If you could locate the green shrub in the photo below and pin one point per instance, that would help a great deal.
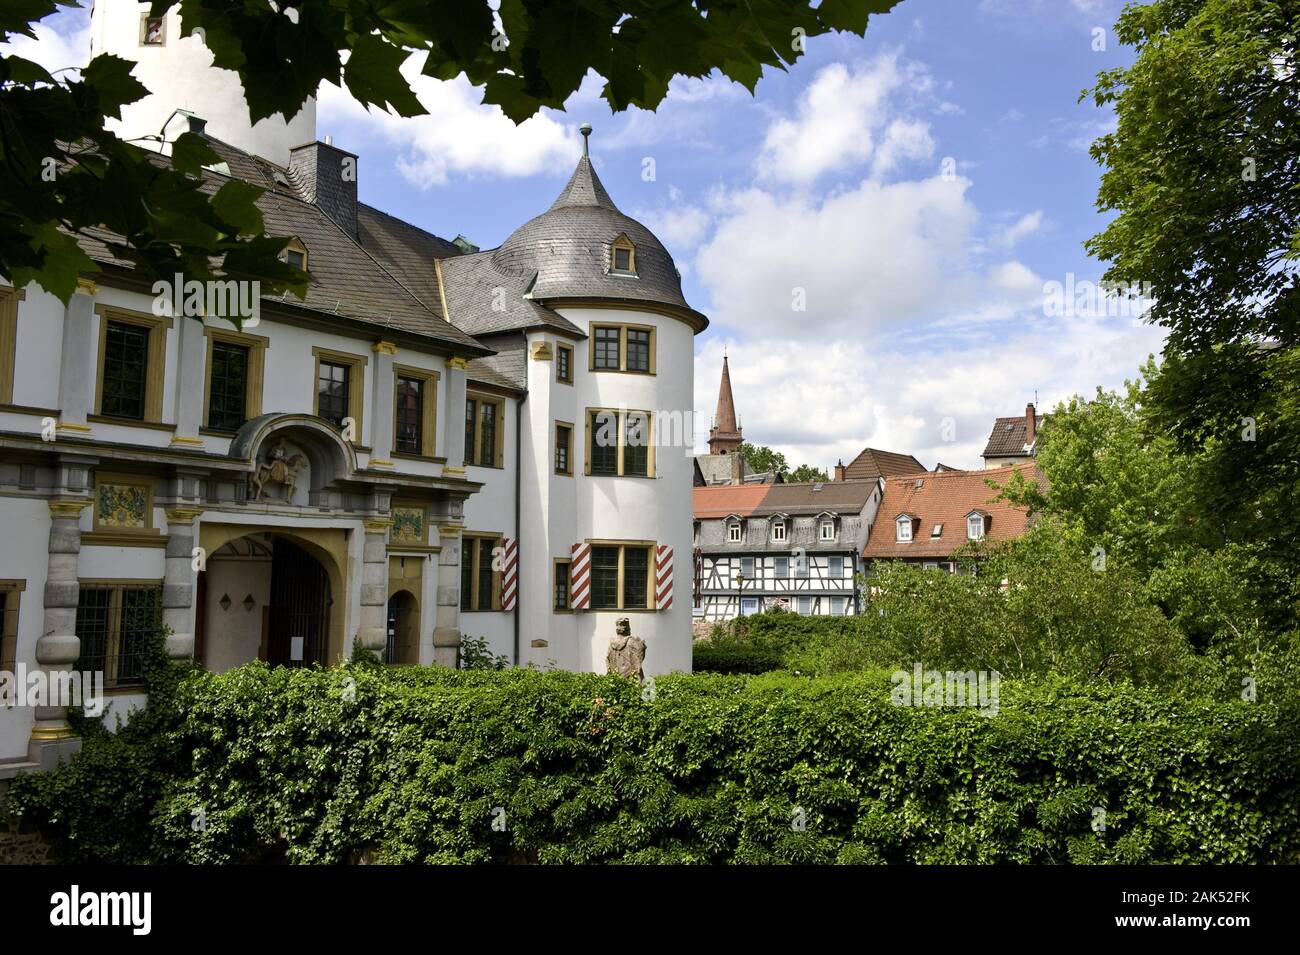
(415, 764)
(708, 657)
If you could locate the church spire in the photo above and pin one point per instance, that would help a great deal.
(725, 435)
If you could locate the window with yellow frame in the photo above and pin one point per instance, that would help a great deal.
(620, 443)
(628, 349)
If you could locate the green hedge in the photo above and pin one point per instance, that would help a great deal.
(707, 657)
(415, 764)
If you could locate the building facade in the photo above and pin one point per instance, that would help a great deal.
(434, 443)
(788, 546)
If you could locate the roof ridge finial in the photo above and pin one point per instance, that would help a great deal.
(585, 129)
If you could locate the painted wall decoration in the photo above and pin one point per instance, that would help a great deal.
(408, 525)
(123, 506)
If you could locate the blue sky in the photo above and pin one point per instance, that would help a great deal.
(923, 292)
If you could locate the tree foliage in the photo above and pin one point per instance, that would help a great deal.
(763, 459)
(1203, 168)
(62, 175)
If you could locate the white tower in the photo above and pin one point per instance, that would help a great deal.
(179, 75)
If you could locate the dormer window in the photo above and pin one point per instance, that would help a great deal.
(778, 531)
(903, 528)
(975, 526)
(826, 530)
(622, 256)
(295, 254)
(733, 532)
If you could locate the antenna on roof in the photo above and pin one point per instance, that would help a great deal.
(585, 129)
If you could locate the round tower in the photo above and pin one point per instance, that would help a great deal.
(608, 524)
(179, 75)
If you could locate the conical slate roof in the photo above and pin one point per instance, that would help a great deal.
(565, 252)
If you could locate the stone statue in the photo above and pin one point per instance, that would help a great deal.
(278, 467)
(626, 652)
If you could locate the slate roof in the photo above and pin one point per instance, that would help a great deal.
(1008, 436)
(565, 252)
(507, 368)
(474, 304)
(407, 251)
(345, 279)
(838, 497)
(945, 498)
(874, 463)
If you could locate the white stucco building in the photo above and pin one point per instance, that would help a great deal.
(436, 442)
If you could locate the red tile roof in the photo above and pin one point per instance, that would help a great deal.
(725, 499)
(945, 498)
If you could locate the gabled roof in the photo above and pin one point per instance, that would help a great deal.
(874, 463)
(1007, 439)
(839, 497)
(946, 498)
(727, 500)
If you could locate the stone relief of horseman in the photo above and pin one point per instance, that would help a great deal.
(279, 467)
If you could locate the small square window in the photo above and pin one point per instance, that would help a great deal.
(153, 31)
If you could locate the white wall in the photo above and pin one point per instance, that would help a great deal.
(491, 510)
(26, 526)
(180, 75)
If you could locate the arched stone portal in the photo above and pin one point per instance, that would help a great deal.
(261, 589)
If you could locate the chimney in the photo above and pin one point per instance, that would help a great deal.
(839, 470)
(327, 176)
(737, 467)
(1030, 428)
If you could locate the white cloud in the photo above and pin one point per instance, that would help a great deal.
(866, 259)
(67, 47)
(819, 401)
(842, 120)
(460, 136)
(680, 226)
(1026, 225)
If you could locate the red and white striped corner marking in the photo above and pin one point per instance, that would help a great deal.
(580, 577)
(510, 573)
(663, 577)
